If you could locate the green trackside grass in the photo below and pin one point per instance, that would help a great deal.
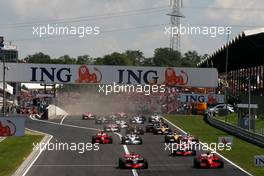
(232, 119)
(242, 153)
(14, 150)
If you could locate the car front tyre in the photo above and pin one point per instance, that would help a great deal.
(93, 140)
(121, 163)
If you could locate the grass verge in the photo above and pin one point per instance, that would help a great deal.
(232, 119)
(14, 150)
(242, 152)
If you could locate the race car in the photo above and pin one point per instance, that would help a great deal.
(150, 127)
(112, 128)
(189, 139)
(161, 130)
(155, 118)
(131, 139)
(173, 138)
(208, 160)
(135, 130)
(183, 150)
(121, 123)
(102, 138)
(101, 120)
(137, 120)
(132, 161)
(88, 116)
(121, 115)
(112, 117)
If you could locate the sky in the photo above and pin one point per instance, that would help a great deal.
(124, 24)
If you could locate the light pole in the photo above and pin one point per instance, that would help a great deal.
(226, 77)
(249, 101)
(4, 67)
(4, 86)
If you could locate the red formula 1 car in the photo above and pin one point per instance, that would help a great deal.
(102, 138)
(183, 150)
(189, 139)
(132, 161)
(88, 116)
(208, 161)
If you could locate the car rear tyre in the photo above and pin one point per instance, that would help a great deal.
(167, 140)
(196, 164)
(123, 140)
(110, 140)
(145, 164)
(221, 164)
(147, 130)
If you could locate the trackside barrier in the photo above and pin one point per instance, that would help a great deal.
(236, 131)
(55, 112)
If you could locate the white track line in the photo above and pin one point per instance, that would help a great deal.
(40, 152)
(63, 118)
(67, 125)
(95, 129)
(134, 171)
(74, 165)
(243, 170)
(102, 165)
(2, 138)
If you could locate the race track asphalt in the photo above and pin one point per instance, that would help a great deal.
(104, 161)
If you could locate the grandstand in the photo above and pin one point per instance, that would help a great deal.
(245, 60)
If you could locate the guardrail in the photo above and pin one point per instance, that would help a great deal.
(236, 131)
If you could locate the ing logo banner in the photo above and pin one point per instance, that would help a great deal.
(107, 74)
(85, 76)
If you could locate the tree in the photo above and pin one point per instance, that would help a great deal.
(190, 59)
(136, 56)
(85, 59)
(23, 86)
(38, 58)
(66, 59)
(162, 57)
(148, 62)
(166, 57)
(114, 59)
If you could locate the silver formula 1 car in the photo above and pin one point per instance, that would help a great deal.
(135, 130)
(137, 120)
(121, 123)
(131, 139)
(111, 128)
